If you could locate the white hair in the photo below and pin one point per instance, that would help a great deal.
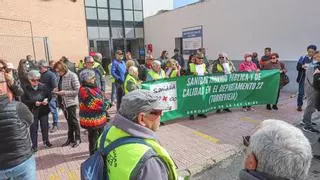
(132, 70)
(281, 149)
(156, 63)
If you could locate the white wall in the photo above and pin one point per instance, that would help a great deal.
(151, 7)
(236, 27)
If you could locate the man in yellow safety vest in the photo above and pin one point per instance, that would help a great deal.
(156, 72)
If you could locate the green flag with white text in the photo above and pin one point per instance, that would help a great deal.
(187, 95)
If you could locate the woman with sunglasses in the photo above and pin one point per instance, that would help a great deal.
(36, 97)
(273, 64)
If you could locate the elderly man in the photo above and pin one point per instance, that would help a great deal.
(98, 63)
(118, 71)
(89, 64)
(138, 117)
(277, 150)
(156, 72)
(132, 80)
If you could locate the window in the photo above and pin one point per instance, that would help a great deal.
(127, 4)
(104, 32)
(116, 15)
(138, 16)
(115, 4)
(117, 32)
(139, 32)
(102, 3)
(91, 43)
(90, 3)
(137, 4)
(103, 14)
(128, 15)
(93, 32)
(91, 13)
(129, 33)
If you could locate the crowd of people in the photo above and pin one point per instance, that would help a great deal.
(37, 88)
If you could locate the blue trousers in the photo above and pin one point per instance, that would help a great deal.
(24, 171)
(54, 111)
(300, 94)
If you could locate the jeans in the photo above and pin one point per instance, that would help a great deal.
(119, 94)
(113, 92)
(73, 125)
(54, 111)
(93, 135)
(24, 171)
(44, 126)
(300, 94)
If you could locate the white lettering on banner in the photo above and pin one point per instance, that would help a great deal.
(167, 94)
(196, 91)
(223, 97)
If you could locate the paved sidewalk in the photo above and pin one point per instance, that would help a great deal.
(194, 145)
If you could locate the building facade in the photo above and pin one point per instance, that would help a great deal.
(115, 24)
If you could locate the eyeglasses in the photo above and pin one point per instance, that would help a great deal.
(35, 80)
(156, 113)
(274, 58)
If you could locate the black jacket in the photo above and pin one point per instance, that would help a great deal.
(31, 96)
(15, 144)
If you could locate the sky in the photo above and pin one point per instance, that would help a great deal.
(179, 3)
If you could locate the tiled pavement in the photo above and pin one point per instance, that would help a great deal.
(191, 143)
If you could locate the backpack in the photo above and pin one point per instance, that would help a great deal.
(94, 168)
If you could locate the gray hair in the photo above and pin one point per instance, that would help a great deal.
(281, 150)
(132, 70)
(33, 74)
(98, 56)
(156, 63)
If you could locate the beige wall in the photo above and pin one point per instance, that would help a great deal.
(62, 21)
(236, 27)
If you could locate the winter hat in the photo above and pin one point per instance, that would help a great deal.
(87, 74)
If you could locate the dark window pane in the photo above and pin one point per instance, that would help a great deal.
(138, 16)
(103, 14)
(137, 4)
(90, 2)
(103, 3)
(128, 15)
(127, 4)
(116, 15)
(115, 4)
(91, 13)
(92, 22)
(91, 43)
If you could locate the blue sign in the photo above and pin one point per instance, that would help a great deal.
(192, 33)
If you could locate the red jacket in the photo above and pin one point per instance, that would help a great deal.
(246, 66)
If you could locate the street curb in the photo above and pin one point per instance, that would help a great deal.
(188, 173)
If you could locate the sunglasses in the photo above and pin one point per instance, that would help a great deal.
(156, 113)
(274, 58)
(35, 80)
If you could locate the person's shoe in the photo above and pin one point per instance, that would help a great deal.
(76, 144)
(218, 111)
(310, 129)
(275, 107)
(191, 117)
(251, 109)
(268, 107)
(54, 129)
(202, 115)
(34, 149)
(48, 144)
(303, 124)
(244, 109)
(299, 108)
(67, 143)
(227, 110)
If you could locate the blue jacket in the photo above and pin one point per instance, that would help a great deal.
(301, 71)
(118, 70)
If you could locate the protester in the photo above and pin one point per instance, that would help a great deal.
(50, 80)
(129, 57)
(255, 59)
(149, 60)
(13, 81)
(129, 63)
(23, 68)
(113, 86)
(68, 88)
(179, 58)
(16, 157)
(284, 79)
(98, 64)
(205, 59)
(164, 59)
(33, 64)
(173, 69)
(223, 65)
(13, 73)
(302, 65)
(71, 66)
(248, 66)
(92, 107)
(156, 72)
(132, 80)
(36, 97)
(266, 57)
(273, 64)
(312, 93)
(192, 59)
(277, 150)
(199, 69)
(100, 81)
(118, 71)
(80, 65)
(139, 116)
